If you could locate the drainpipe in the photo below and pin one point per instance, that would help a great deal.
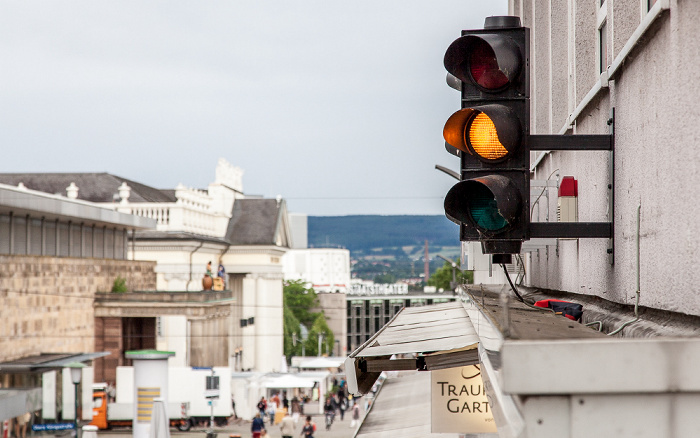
(221, 256)
(191, 254)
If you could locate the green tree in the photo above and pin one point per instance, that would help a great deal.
(292, 330)
(442, 277)
(385, 279)
(300, 300)
(320, 326)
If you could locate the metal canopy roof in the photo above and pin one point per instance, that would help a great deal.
(441, 336)
(401, 409)
(47, 361)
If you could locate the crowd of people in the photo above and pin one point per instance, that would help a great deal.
(338, 402)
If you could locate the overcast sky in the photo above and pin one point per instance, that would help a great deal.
(338, 106)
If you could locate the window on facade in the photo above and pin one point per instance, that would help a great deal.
(358, 326)
(76, 241)
(377, 325)
(50, 245)
(650, 3)
(417, 303)
(603, 47)
(109, 244)
(35, 236)
(349, 326)
(98, 243)
(63, 240)
(87, 242)
(119, 238)
(4, 234)
(19, 229)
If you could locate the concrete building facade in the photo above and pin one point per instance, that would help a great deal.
(636, 58)
(56, 254)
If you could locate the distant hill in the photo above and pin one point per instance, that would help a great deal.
(363, 234)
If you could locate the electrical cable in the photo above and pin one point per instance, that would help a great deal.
(546, 309)
(512, 286)
(532, 210)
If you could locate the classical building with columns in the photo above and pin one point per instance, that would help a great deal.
(219, 225)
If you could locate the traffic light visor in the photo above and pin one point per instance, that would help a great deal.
(490, 61)
(483, 66)
(491, 203)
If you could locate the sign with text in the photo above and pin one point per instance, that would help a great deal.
(52, 427)
(458, 401)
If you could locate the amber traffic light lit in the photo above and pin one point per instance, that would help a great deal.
(483, 138)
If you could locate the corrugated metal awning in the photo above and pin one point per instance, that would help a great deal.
(401, 409)
(437, 336)
(47, 361)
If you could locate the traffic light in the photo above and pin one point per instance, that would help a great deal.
(490, 135)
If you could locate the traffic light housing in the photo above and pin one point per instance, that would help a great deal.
(491, 132)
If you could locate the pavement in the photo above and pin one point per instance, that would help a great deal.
(339, 429)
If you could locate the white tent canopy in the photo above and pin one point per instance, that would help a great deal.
(322, 362)
(288, 381)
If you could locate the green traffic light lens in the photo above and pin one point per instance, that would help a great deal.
(484, 209)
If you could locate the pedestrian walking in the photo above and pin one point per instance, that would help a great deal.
(329, 411)
(257, 427)
(309, 428)
(355, 414)
(262, 407)
(287, 426)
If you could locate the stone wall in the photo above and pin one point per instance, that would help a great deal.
(47, 302)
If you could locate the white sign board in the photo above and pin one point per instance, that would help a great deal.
(459, 403)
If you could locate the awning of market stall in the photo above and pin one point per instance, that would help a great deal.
(417, 338)
(288, 381)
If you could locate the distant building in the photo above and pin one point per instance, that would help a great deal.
(326, 270)
(56, 253)
(370, 306)
(248, 236)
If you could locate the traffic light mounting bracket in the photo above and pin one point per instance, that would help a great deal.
(575, 230)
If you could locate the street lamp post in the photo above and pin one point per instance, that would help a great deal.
(453, 285)
(76, 373)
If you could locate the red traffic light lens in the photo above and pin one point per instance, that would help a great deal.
(483, 66)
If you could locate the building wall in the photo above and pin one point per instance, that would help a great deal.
(209, 341)
(327, 269)
(656, 161)
(262, 343)
(334, 306)
(181, 265)
(48, 301)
